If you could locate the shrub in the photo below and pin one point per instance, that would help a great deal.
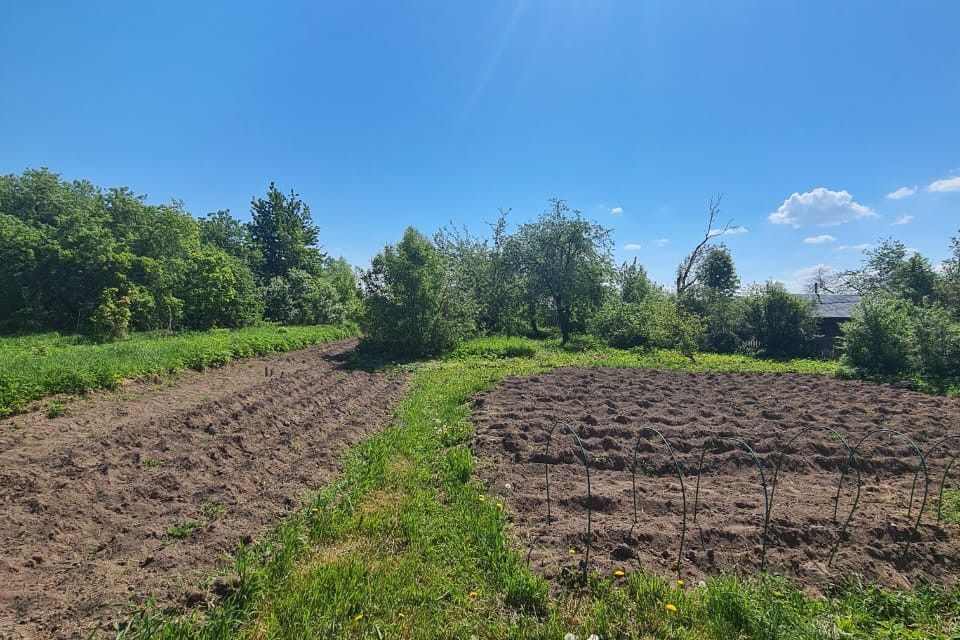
(410, 308)
(781, 322)
(649, 323)
(936, 343)
(877, 338)
(219, 292)
(111, 319)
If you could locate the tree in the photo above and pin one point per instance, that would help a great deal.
(689, 271)
(219, 292)
(410, 307)
(567, 259)
(781, 322)
(283, 233)
(634, 284)
(716, 272)
(228, 234)
(950, 282)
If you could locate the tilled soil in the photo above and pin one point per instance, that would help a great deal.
(86, 499)
(609, 409)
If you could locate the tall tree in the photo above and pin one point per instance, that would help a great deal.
(284, 233)
(567, 258)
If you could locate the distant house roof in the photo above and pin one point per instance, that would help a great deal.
(831, 305)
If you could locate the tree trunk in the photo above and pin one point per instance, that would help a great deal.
(563, 320)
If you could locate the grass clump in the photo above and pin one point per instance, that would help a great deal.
(33, 367)
(182, 530)
(406, 543)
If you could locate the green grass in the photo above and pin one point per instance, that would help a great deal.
(402, 545)
(37, 366)
(182, 530)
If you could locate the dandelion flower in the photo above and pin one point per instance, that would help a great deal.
(401, 615)
(473, 594)
(701, 584)
(679, 583)
(672, 608)
(358, 617)
(481, 497)
(573, 552)
(619, 573)
(500, 506)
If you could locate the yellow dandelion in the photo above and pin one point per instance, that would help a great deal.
(481, 497)
(401, 615)
(619, 573)
(672, 608)
(473, 594)
(500, 506)
(573, 552)
(358, 617)
(679, 583)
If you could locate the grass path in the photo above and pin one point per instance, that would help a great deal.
(407, 544)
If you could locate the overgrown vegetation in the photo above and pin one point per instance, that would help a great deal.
(908, 324)
(104, 263)
(41, 365)
(406, 544)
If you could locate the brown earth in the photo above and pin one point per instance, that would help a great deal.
(609, 408)
(86, 498)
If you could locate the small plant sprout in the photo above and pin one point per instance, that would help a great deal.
(670, 607)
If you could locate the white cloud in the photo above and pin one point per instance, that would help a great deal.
(616, 211)
(662, 242)
(819, 239)
(632, 246)
(904, 219)
(798, 280)
(945, 184)
(732, 231)
(901, 193)
(855, 247)
(820, 207)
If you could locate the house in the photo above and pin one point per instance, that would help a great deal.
(833, 309)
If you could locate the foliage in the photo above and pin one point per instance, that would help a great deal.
(716, 272)
(301, 298)
(111, 319)
(648, 323)
(411, 306)
(565, 259)
(889, 270)
(283, 233)
(782, 323)
(219, 291)
(890, 336)
(80, 258)
(37, 366)
(401, 546)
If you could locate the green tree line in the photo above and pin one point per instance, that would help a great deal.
(104, 262)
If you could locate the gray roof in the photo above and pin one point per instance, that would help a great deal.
(832, 305)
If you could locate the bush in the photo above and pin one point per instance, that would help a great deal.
(111, 319)
(936, 343)
(220, 292)
(302, 298)
(781, 322)
(877, 339)
(646, 324)
(410, 308)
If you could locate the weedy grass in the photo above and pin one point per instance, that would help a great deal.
(33, 367)
(182, 530)
(406, 543)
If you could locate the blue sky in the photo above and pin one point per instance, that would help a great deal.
(384, 115)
